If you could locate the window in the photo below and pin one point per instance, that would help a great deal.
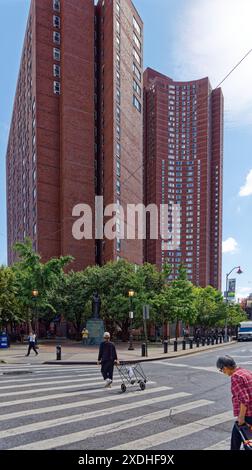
(137, 72)
(137, 26)
(56, 53)
(118, 244)
(118, 96)
(56, 21)
(118, 168)
(34, 229)
(118, 149)
(118, 187)
(136, 41)
(118, 131)
(137, 56)
(137, 104)
(56, 88)
(56, 70)
(56, 37)
(56, 5)
(117, 60)
(117, 27)
(117, 8)
(118, 78)
(137, 88)
(118, 113)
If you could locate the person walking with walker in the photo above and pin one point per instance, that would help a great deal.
(107, 358)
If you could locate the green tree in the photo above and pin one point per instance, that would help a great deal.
(10, 307)
(182, 299)
(31, 274)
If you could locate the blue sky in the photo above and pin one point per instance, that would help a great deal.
(185, 39)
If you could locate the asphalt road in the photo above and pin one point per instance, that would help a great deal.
(186, 405)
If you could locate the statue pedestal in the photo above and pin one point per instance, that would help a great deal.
(95, 327)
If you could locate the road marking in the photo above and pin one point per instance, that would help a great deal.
(48, 389)
(79, 404)
(222, 445)
(36, 382)
(109, 428)
(208, 369)
(175, 433)
(87, 415)
(62, 395)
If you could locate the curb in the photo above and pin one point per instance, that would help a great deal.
(136, 361)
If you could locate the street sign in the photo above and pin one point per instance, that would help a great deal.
(146, 312)
(231, 288)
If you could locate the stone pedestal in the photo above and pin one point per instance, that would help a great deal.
(95, 329)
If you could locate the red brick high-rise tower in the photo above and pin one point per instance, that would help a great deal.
(76, 129)
(183, 146)
(120, 117)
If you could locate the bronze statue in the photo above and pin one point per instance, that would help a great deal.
(96, 305)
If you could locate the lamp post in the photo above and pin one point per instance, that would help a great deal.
(131, 316)
(35, 294)
(239, 271)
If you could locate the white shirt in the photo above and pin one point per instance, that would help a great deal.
(32, 338)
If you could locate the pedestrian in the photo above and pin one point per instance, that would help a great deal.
(107, 358)
(85, 334)
(32, 343)
(241, 389)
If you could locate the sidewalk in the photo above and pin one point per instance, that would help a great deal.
(72, 352)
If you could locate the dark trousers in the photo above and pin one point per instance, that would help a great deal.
(107, 369)
(31, 346)
(236, 439)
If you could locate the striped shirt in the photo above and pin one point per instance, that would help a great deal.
(241, 389)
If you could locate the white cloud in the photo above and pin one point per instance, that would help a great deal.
(212, 38)
(246, 189)
(230, 246)
(243, 292)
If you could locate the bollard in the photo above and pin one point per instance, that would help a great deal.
(217, 340)
(183, 345)
(144, 350)
(197, 342)
(212, 341)
(165, 346)
(175, 345)
(228, 338)
(58, 353)
(203, 341)
(208, 341)
(220, 339)
(191, 343)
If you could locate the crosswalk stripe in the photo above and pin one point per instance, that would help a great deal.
(176, 364)
(175, 433)
(222, 445)
(89, 402)
(61, 395)
(36, 382)
(88, 415)
(35, 379)
(49, 389)
(109, 428)
(46, 369)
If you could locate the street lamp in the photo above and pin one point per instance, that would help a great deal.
(239, 271)
(35, 294)
(131, 294)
